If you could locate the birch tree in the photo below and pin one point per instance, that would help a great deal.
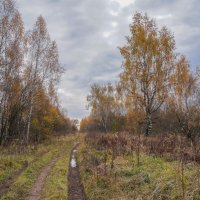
(101, 100)
(43, 66)
(148, 65)
(186, 102)
(11, 57)
(29, 74)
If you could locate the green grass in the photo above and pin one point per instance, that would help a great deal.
(56, 183)
(154, 179)
(23, 183)
(12, 162)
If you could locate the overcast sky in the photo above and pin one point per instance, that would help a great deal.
(88, 33)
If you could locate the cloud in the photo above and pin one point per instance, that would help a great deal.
(88, 33)
(124, 3)
(160, 17)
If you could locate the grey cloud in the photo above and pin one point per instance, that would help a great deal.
(89, 31)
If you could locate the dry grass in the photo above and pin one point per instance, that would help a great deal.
(155, 177)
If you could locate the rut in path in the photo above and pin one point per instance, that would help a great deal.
(75, 187)
(38, 185)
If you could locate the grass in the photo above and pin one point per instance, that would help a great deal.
(154, 179)
(37, 159)
(12, 162)
(56, 183)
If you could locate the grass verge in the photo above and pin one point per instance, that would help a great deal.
(154, 179)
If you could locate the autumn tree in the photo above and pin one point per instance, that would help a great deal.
(43, 68)
(185, 99)
(148, 65)
(89, 124)
(85, 124)
(29, 74)
(11, 57)
(103, 105)
(134, 116)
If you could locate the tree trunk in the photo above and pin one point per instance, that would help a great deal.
(104, 125)
(29, 123)
(148, 125)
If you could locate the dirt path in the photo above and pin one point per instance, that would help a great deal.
(75, 187)
(38, 185)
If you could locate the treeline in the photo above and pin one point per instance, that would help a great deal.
(157, 93)
(29, 73)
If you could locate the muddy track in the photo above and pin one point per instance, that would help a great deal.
(75, 186)
(36, 190)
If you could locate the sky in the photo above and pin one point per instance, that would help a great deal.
(89, 32)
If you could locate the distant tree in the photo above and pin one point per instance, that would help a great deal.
(102, 103)
(88, 124)
(185, 99)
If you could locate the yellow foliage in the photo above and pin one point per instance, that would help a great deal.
(134, 119)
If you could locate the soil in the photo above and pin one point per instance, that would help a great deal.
(75, 186)
(38, 185)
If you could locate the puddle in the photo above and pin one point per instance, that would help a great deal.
(73, 159)
(73, 162)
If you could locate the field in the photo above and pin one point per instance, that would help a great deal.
(122, 178)
(107, 173)
(19, 170)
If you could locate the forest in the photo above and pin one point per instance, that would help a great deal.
(29, 74)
